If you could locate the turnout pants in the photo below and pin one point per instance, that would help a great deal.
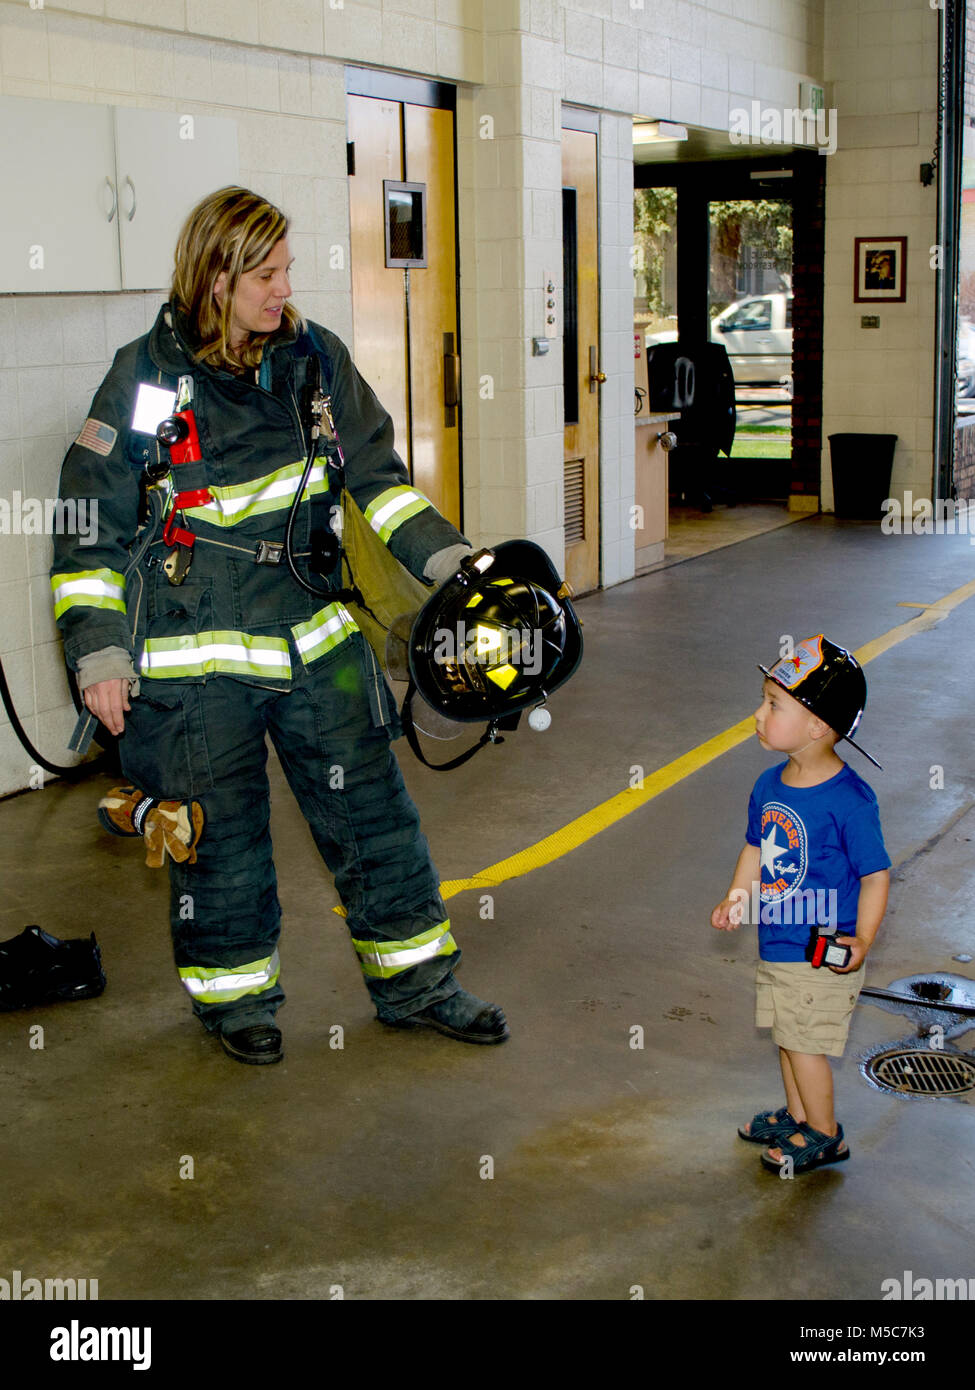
(207, 741)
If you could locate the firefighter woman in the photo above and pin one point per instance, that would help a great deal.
(210, 641)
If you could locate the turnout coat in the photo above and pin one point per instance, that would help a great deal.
(231, 615)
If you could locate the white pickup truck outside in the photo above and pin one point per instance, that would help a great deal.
(757, 331)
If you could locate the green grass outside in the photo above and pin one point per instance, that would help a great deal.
(751, 448)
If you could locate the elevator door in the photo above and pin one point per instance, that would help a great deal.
(405, 316)
(581, 375)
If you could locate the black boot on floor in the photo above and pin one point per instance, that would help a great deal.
(462, 1016)
(37, 968)
(259, 1045)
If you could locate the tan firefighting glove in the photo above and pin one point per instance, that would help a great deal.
(168, 827)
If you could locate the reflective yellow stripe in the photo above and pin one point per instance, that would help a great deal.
(237, 653)
(387, 512)
(273, 492)
(330, 626)
(220, 984)
(88, 589)
(380, 960)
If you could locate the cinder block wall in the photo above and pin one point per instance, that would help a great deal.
(881, 65)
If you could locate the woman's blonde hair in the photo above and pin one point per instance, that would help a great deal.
(232, 230)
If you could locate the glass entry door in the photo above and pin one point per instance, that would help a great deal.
(750, 314)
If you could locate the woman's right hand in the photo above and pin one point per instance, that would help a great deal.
(107, 701)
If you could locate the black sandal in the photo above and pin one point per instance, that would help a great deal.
(769, 1127)
(818, 1149)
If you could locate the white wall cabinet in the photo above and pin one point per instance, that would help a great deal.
(165, 163)
(94, 196)
(58, 229)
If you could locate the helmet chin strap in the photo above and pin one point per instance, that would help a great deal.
(490, 735)
(804, 747)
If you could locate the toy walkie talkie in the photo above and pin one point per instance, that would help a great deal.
(823, 949)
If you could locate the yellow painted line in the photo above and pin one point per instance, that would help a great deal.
(930, 616)
(576, 833)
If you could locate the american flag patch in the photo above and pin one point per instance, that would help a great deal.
(97, 437)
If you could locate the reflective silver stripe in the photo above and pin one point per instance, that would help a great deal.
(91, 588)
(329, 627)
(211, 987)
(271, 493)
(404, 958)
(387, 512)
(379, 962)
(237, 653)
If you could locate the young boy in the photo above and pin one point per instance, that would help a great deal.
(815, 846)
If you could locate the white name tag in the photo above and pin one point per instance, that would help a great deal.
(152, 404)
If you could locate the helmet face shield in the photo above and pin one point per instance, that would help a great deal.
(496, 638)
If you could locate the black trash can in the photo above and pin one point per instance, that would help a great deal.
(861, 465)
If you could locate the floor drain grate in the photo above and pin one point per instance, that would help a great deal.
(917, 1071)
(938, 991)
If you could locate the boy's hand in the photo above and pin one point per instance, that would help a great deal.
(727, 915)
(858, 954)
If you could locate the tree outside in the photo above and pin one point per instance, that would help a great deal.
(751, 249)
(751, 253)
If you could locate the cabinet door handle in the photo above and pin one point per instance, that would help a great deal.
(131, 213)
(111, 189)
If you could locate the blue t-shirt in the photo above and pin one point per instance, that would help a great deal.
(816, 843)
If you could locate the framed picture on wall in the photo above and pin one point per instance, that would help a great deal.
(880, 269)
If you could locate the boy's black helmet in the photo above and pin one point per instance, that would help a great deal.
(828, 680)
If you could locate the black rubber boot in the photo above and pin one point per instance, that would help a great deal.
(37, 968)
(259, 1045)
(462, 1016)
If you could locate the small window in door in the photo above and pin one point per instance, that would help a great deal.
(406, 223)
(570, 306)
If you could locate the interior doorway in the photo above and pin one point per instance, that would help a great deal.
(734, 257)
(582, 376)
(403, 243)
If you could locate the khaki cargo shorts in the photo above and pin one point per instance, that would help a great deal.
(807, 1010)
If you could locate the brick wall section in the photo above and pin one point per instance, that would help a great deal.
(965, 458)
(970, 66)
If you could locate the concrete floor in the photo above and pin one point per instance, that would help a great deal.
(693, 533)
(612, 1167)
